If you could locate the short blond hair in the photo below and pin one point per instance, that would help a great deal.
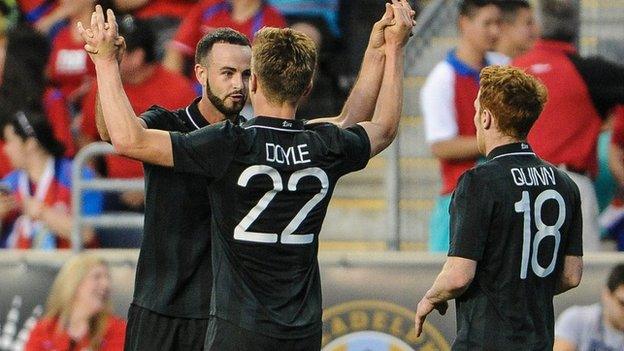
(514, 97)
(284, 61)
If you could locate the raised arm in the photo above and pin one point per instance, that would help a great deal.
(384, 124)
(127, 135)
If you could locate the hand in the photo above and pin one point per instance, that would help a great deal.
(32, 208)
(397, 34)
(424, 308)
(7, 204)
(102, 39)
(377, 39)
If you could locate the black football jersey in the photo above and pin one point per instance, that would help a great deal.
(174, 270)
(273, 182)
(517, 216)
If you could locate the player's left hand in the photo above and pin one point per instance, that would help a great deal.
(398, 33)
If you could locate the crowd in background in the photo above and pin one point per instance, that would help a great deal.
(48, 97)
(48, 93)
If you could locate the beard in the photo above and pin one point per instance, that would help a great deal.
(219, 103)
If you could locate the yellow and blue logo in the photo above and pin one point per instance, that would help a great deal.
(368, 325)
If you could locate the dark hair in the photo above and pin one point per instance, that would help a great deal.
(559, 20)
(469, 7)
(510, 8)
(616, 277)
(33, 124)
(23, 80)
(138, 35)
(221, 35)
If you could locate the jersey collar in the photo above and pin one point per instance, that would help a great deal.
(286, 125)
(194, 116)
(198, 121)
(461, 67)
(514, 149)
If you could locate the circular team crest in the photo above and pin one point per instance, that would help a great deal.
(367, 325)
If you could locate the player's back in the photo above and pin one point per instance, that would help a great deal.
(526, 216)
(274, 181)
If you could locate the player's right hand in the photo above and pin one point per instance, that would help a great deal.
(424, 308)
(403, 15)
(102, 39)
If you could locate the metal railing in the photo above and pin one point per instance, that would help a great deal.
(80, 185)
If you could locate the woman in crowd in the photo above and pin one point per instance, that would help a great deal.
(78, 314)
(35, 206)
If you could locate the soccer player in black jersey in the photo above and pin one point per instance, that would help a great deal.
(516, 228)
(273, 177)
(173, 281)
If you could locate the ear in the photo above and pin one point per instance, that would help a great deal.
(253, 83)
(487, 120)
(201, 74)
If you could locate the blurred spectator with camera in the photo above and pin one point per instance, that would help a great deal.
(35, 206)
(597, 327)
(78, 312)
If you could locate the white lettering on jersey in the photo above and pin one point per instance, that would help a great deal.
(290, 156)
(71, 61)
(532, 176)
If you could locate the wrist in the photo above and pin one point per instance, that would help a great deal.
(106, 64)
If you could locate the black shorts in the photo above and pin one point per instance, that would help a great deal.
(225, 336)
(149, 331)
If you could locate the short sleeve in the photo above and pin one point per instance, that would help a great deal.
(437, 101)
(207, 151)
(471, 214)
(575, 234)
(155, 118)
(356, 148)
(569, 326)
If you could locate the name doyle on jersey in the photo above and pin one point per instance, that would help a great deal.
(533, 176)
(292, 155)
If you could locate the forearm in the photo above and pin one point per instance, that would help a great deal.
(388, 110)
(443, 289)
(361, 102)
(99, 120)
(124, 129)
(458, 148)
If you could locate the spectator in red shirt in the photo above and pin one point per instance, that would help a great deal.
(78, 312)
(245, 16)
(146, 83)
(69, 68)
(163, 16)
(581, 92)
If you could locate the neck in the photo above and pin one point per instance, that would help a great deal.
(36, 164)
(242, 10)
(140, 74)
(209, 111)
(507, 49)
(262, 107)
(497, 141)
(470, 55)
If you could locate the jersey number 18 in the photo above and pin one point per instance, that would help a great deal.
(543, 231)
